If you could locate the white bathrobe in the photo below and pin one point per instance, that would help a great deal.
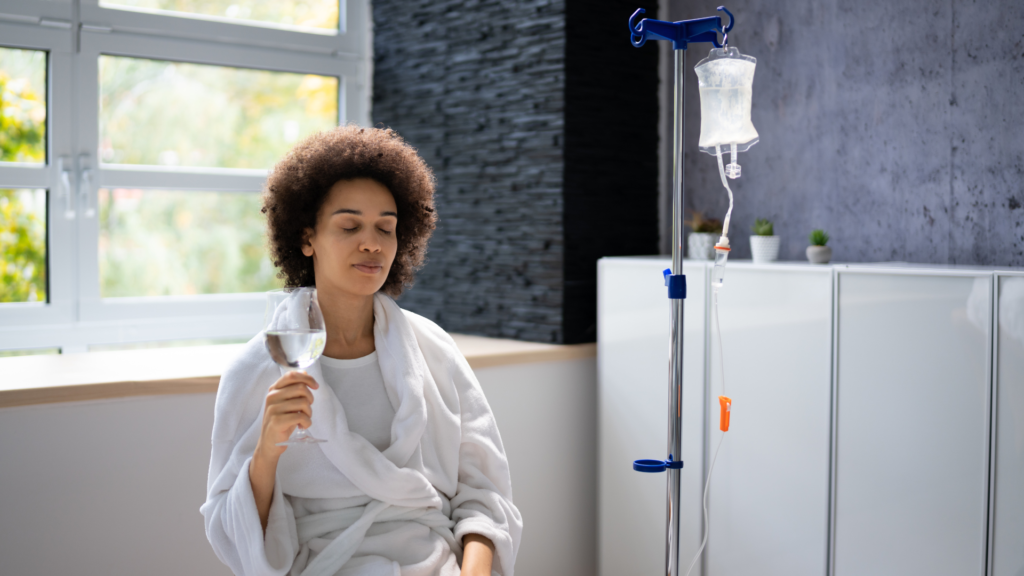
(342, 507)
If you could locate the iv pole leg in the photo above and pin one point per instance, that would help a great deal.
(675, 404)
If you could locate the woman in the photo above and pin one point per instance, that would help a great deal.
(412, 478)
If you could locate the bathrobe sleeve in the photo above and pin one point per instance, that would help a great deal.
(482, 503)
(232, 521)
(483, 500)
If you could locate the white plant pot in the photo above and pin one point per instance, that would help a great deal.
(819, 254)
(701, 245)
(764, 248)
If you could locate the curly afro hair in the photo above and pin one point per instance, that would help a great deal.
(297, 186)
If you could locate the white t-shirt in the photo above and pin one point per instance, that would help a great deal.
(359, 386)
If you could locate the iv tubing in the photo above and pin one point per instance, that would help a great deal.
(721, 352)
(707, 482)
(724, 240)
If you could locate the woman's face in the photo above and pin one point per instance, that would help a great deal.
(354, 243)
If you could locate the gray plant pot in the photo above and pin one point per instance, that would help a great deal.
(819, 254)
(701, 245)
(764, 248)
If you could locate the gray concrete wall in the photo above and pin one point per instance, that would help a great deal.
(898, 127)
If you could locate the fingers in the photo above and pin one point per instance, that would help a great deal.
(290, 392)
(292, 385)
(279, 427)
(298, 405)
(288, 421)
(295, 377)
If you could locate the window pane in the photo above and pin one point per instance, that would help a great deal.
(22, 245)
(22, 105)
(161, 243)
(166, 344)
(207, 116)
(321, 14)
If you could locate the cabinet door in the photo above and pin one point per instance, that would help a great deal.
(768, 500)
(1008, 541)
(912, 424)
(633, 329)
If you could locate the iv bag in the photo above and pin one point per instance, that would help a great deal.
(725, 79)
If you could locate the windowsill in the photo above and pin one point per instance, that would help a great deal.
(29, 380)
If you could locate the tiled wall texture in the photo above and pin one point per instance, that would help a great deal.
(898, 127)
(522, 108)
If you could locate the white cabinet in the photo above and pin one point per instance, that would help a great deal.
(769, 500)
(1008, 492)
(774, 466)
(877, 427)
(912, 423)
(633, 324)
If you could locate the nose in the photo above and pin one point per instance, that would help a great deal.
(369, 242)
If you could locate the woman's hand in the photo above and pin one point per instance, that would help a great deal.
(289, 404)
(477, 555)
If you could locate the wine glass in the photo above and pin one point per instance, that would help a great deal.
(295, 336)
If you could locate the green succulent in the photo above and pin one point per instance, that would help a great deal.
(819, 238)
(763, 227)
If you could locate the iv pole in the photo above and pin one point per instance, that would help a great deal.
(680, 34)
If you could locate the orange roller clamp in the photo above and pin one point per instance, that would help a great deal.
(726, 403)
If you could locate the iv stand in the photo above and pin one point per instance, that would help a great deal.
(680, 34)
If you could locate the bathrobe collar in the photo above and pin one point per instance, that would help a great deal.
(390, 476)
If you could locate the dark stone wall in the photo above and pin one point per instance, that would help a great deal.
(529, 193)
(478, 88)
(895, 126)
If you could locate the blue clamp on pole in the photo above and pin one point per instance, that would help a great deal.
(676, 284)
(679, 33)
(651, 466)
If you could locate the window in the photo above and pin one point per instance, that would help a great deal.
(135, 136)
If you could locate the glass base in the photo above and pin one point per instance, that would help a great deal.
(309, 440)
(300, 436)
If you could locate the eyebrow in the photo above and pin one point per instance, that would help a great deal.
(360, 213)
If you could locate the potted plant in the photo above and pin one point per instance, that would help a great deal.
(705, 232)
(764, 244)
(817, 252)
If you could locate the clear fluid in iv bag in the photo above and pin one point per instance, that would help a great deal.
(295, 348)
(726, 78)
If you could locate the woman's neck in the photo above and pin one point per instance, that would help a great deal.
(349, 321)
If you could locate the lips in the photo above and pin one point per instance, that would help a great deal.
(368, 267)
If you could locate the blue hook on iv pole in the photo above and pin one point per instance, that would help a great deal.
(680, 33)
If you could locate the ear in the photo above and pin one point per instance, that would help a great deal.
(307, 248)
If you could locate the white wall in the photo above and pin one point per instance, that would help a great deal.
(106, 487)
(114, 486)
(547, 416)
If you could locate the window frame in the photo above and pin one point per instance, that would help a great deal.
(59, 307)
(76, 316)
